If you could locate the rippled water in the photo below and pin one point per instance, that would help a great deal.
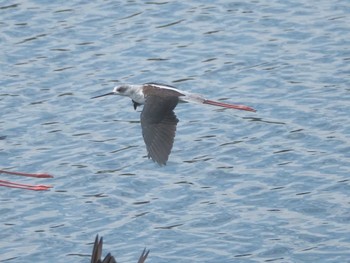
(270, 186)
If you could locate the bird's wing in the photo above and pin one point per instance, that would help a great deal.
(143, 256)
(158, 122)
(97, 250)
(97, 253)
(109, 259)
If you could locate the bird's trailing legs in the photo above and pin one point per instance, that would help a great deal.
(26, 186)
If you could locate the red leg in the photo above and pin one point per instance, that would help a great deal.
(27, 174)
(26, 186)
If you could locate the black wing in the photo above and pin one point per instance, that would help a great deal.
(158, 122)
(97, 252)
(143, 256)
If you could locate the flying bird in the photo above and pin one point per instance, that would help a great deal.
(158, 120)
(97, 253)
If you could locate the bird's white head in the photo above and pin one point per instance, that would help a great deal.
(132, 91)
(124, 90)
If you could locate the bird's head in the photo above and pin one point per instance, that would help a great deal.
(122, 90)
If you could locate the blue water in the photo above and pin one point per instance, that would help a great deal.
(270, 186)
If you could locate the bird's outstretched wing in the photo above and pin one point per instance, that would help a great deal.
(158, 122)
(143, 256)
(97, 252)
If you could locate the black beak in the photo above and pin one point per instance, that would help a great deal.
(109, 93)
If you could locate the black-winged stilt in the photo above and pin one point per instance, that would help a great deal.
(158, 120)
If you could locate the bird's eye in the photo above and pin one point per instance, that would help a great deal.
(121, 89)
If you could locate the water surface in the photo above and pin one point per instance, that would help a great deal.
(270, 186)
